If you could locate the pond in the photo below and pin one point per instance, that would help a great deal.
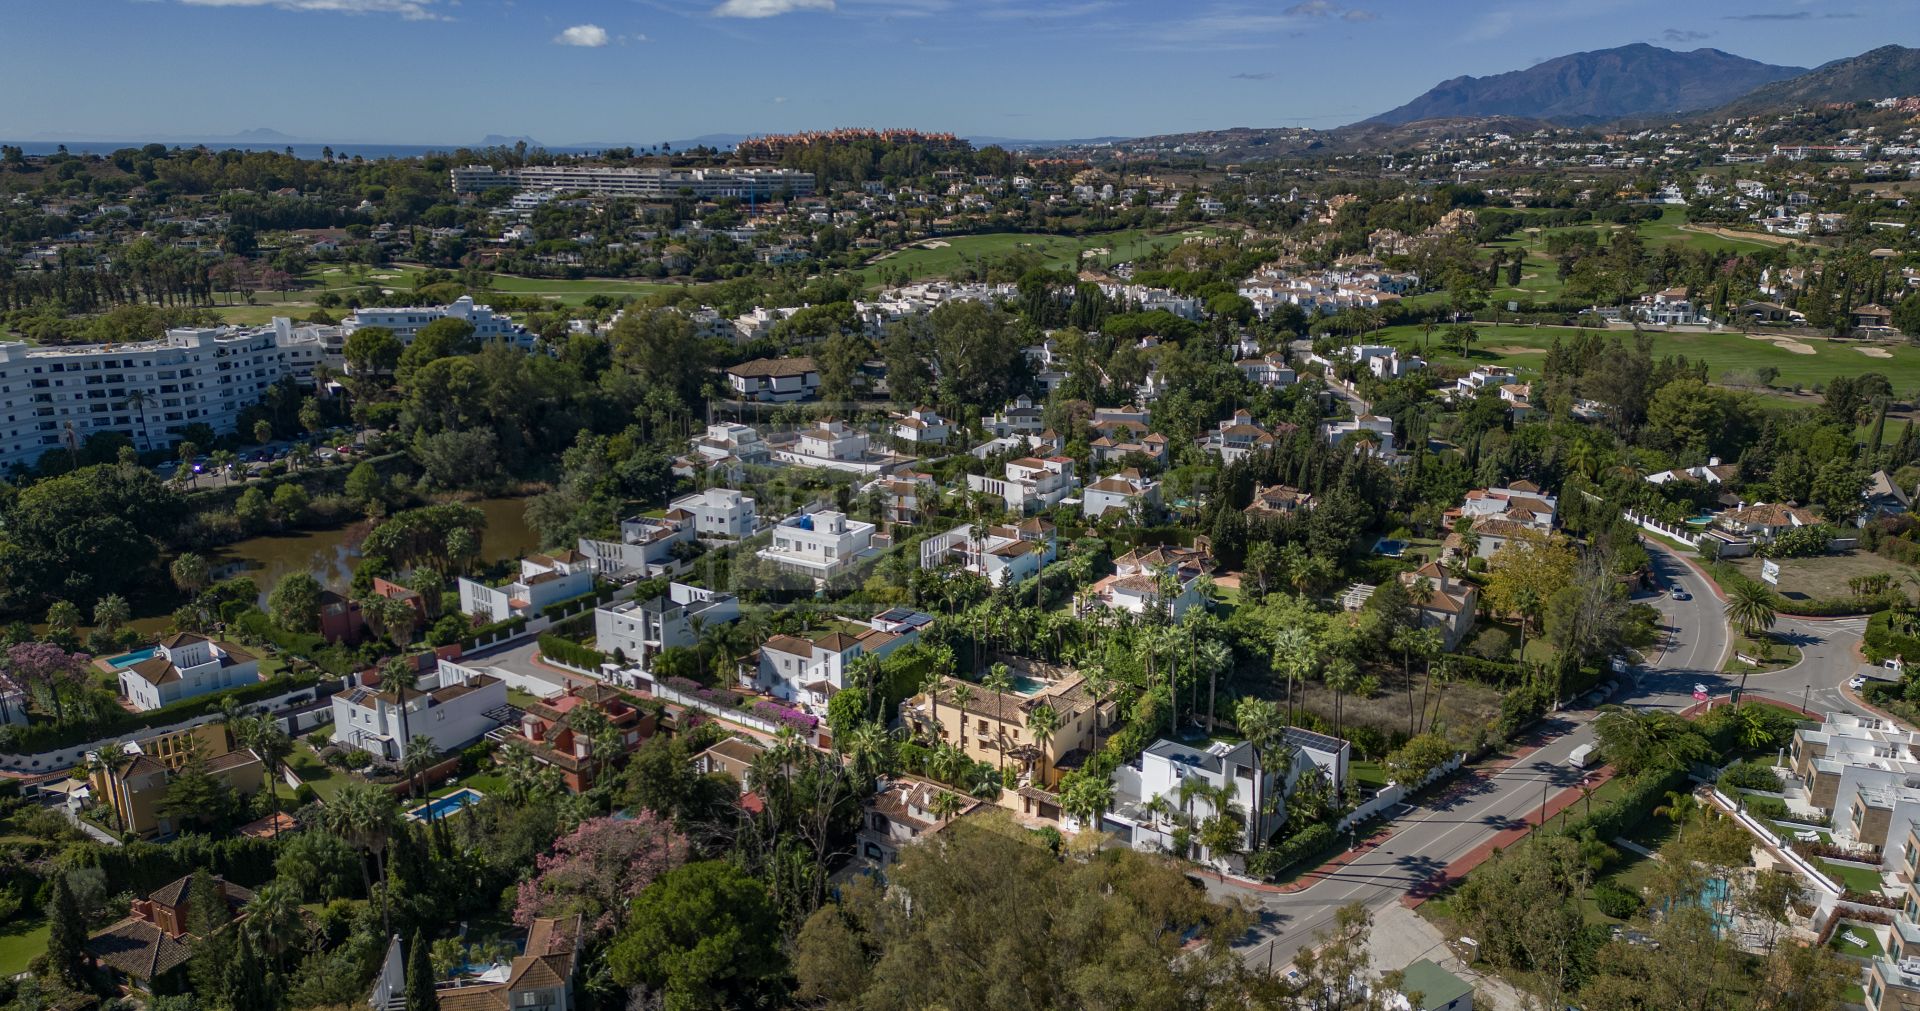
(330, 555)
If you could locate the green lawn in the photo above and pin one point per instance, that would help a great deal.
(1783, 655)
(1524, 348)
(1859, 879)
(1369, 774)
(20, 941)
(1839, 942)
(942, 256)
(306, 764)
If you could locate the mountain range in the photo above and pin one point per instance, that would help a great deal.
(1880, 73)
(1597, 86)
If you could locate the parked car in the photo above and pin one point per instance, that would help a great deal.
(343, 450)
(1858, 682)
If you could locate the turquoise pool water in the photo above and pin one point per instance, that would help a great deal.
(1699, 521)
(126, 660)
(452, 803)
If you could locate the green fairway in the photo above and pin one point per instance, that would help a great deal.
(1523, 348)
(400, 278)
(1539, 273)
(941, 257)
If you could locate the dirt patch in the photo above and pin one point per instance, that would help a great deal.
(1875, 352)
(1515, 349)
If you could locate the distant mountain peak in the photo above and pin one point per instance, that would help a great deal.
(262, 133)
(1603, 84)
(501, 140)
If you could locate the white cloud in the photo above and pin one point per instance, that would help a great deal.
(768, 8)
(588, 36)
(412, 10)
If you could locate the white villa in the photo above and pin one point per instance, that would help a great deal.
(543, 580)
(1004, 555)
(1031, 483)
(1167, 766)
(775, 380)
(812, 670)
(1135, 586)
(821, 545)
(635, 631)
(922, 425)
(1240, 437)
(1127, 492)
(452, 706)
(727, 445)
(1381, 428)
(183, 666)
(646, 547)
(719, 512)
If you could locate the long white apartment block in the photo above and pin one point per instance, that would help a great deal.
(407, 321)
(51, 397)
(746, 183)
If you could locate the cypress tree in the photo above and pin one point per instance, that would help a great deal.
(66, 937)
(420, 977)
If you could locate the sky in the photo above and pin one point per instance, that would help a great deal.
(594, 72)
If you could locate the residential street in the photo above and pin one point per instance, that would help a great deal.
(1483, 803)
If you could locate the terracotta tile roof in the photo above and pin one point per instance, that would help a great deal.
(789, 644)
(156, 671)
(138, 948)
(836, 642)
(773, 368)
(179, 639)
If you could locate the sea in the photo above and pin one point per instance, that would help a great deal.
(301, 149)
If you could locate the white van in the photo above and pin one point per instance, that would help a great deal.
(1581, 756)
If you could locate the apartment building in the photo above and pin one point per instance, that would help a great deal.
(648, 546)
(633, 632)
(451, 706)
(821, 544)
(1005, 555)
(149, 391)
(185, 665)
(406, 322)
(1031, 483)
(543, 579)
(719, 512)
(638, 182)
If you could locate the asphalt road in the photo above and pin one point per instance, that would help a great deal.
(1445, 828)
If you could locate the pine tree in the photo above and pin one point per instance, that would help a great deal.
(420, 977)
(66, 937)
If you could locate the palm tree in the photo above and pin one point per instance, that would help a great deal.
(931, 687)
(1297, 654)
(1259, 722)
(422, 754)
(138, 401)
(274, 918)
(1086, 797)
(263, 736)
(1224, 832)
(110, 612)
(870, 748)
(402, 675)
(999, 681)
(190, 573)
(1411, 642)
(1214, 657)
(521, 770)
(1341, 677)
(1750, 605)
(365, 815)
(1679, 808)
(1042, 721)
(946, 804)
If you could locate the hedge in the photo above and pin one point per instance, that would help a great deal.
(39, 737)
(1632, 807)
(569, 652)
(487, 634)
(1770, 808)
(1304, 844)
(1615, 901)
(1883, 641)
(1749, 776)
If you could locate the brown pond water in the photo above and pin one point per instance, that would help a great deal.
(330, 555)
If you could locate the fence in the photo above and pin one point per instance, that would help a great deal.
(1687, 537)
(1766, 835)
(1393, 793)
(55, 759)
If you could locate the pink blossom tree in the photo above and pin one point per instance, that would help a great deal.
(598, 869)
(47, 667)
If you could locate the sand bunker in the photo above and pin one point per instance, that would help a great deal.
(1515, 349)
(1794, 346)
(935, 244)
(1875, 352)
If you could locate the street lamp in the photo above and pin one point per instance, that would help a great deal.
(1804, 692)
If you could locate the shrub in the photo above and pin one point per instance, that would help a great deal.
(1770, 808)
(788, 717)
(1615, 901)
(1308, 842)
(1749, 776)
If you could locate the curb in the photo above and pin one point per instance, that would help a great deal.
(1460, 868)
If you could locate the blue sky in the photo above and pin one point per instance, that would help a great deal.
(639, 71)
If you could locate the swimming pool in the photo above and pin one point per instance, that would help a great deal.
(452, 803)
(126, 660)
